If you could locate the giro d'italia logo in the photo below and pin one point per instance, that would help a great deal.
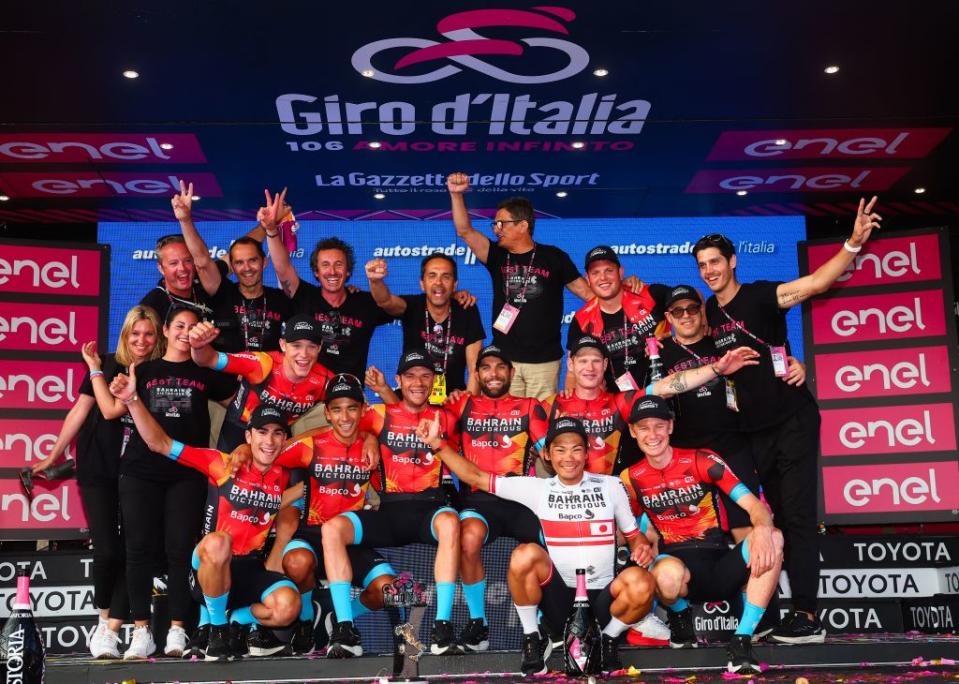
(463, 44)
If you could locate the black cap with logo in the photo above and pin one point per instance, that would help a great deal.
(565, 424)
(493, 350)
(681, 292)
(650, 406)
(588, 341)
(301, 327)
(415, 358)
(344, 385)
(601, 253)
(264, 415)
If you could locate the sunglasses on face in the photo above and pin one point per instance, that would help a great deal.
(680, 311)
(499, 222)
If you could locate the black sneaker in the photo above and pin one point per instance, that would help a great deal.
(238, 636)
(218, 647)
(681, 631)
(799, 628)
(441, 638)
(739, 652)
(325, 618)
(555, 636)
(345, 642)
(536, 649)
(475, 636)
(302, 641)
(198, 642)
(611, 661)
(263, 642)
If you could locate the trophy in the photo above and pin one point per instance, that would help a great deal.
(409, 598)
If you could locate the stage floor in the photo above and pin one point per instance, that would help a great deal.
(897, 658)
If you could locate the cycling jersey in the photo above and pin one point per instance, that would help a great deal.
(606, 419)
(406, 463)
(244, 505)
(679, 499)
(338, 473)
(496, 434)
(579, 521)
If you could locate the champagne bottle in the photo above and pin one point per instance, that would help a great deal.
(582, 642)
(655, 363)
(21, 648)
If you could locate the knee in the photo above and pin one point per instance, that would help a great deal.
(525, 557)
(216, 548)
(337, 532)
(299, 564)
(372, 596)
(472, 536)
(637, 584)
(446, 526)
(670, 575)
(284, 602)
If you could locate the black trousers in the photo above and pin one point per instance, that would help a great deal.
(101, 504)
(786, 463)
(175, 510)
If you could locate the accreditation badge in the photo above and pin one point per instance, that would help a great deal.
(779, 361)
(507, 316)
(438, 393)
(731, 402)
(626, 382)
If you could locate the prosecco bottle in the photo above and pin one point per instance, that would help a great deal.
(21, 648)
(582, 641)
(655, 363)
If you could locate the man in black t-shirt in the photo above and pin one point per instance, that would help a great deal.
(528, 281)
(249, 315)
(177, 287)
(781, 420)
(451, 334)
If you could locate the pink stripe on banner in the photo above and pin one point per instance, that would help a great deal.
(885, 261)
(902, 315)
(55, 505)
(49, 270)
(891, 488)
(917, 428)
(887, 372)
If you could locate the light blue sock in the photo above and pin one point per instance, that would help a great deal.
(444, 600)
(216, 605)
(204, 616)
(679, 606)
(751, 617)
(340, 593)
(357, 608)
(475, 595)
(654, 605)
(306, 606)
(243, 616)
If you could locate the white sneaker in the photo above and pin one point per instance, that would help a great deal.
(176, 640)
(141, 645)
(651, 627)
(105, 642)
(101, 625)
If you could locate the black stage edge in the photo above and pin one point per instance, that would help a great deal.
(863, 652)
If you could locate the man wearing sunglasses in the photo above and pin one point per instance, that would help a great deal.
(781, 420)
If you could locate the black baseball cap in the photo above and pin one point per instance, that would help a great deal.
(264, 415)
(683, 292)
(344, 385)
(301, 327)
(563, 425)
(414, 358)
(601, 253)
(650, 406)
(493, 350)
(588, 341)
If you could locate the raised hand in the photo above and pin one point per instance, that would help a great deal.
(464, 298)
(633, 284)
(866, 222)
(428, 430)
(457, 183)
(202, 334)
(375, 379)
(736, 358)
(123, 386)
(376, 269)
(183, 202)
(242, 454)
(89, 352)
(270, 215)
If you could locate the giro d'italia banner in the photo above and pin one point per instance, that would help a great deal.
(53, 299)
(656, 250)
(881, 349)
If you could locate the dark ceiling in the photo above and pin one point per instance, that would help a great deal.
(701, 100)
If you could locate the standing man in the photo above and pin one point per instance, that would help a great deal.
(450, 333)
(782, 420)
(248, 314)
(528, 281)
(177, 288)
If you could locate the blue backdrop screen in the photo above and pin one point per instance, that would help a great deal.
(656, 250)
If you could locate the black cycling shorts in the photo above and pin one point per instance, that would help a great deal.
(715, 574)
(400, 520)
(367, 563)
(250, 581)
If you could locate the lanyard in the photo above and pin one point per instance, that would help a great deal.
(439, 328)
(192, 303)
(740, 326)
(249, 317)
(529, 274)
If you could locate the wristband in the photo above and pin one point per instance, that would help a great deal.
(96, 374)
(129, 401)
(849, 248)
(715, 370)
(271, 235)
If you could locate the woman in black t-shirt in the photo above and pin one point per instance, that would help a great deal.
(157, 496)
(101, 429)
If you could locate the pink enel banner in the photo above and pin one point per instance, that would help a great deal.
(885, 261)
(49, 270)
(100, 148)
(55, 505)
(77, 184)
(891, 488)
(25, 441)
(863, 318)
(797, 179)
(47, 327)
(916, 428)
(40, 384)
(904, 371)
(828, 143)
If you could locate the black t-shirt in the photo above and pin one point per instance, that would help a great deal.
(537, 293)
(176, 393)
(347, 329)
(249, 324)
(626, 344)
(161, 301)
(101, 442)
(764, 400)
(447, 340)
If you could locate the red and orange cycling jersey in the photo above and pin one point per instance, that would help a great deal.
(406, 464)
(498, 434)
(264, 382)
(338, 475)
(680, 499)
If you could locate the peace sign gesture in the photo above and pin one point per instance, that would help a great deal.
(866, 221)
(183, 202)
(270, 215)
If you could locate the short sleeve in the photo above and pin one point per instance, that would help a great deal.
(222, 386)
(622, 511)
(521, 489)
(474, 326)
(494, 259)
(566, 267)
(660, 294)
(765, 294)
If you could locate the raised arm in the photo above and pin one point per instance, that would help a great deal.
(269, 217)
(205, 266)
(376, 272)
(799, 290)
(684, 380)
(429, 433)
(109, 406)
(457, 184)
(124, 388)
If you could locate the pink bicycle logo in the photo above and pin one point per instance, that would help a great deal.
(464, 43)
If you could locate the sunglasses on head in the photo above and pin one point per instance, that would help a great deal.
(715, 240)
